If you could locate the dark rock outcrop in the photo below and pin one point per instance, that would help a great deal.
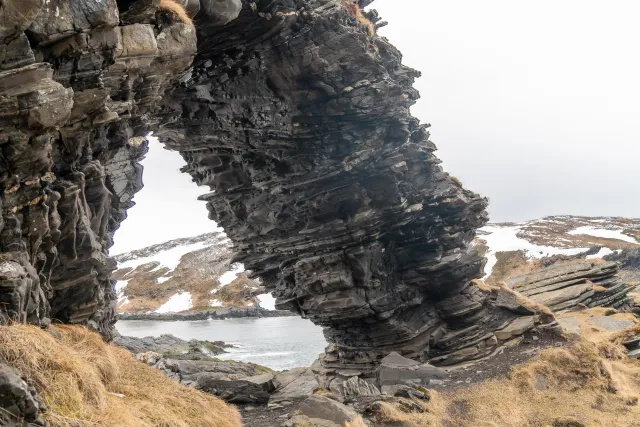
(19, 402)
(328, 187)
(295, 114)
(593, 284)
(78, 92)
(629, 260)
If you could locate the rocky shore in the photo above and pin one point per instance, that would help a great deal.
(218, 314)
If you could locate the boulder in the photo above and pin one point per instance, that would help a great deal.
(19, 402)
(294, 385)
(254, 389)
(326, 409)
(396, 369)
(518, 327)
(221, 12)
(609, 323)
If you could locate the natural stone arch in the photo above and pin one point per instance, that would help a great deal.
(298, 120)
(296, 115)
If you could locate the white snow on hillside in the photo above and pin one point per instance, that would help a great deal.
(503, 239)
(267, 301)
(230, 276)
(178, 302)
(603, 233)
(120, 287)
(169, 258)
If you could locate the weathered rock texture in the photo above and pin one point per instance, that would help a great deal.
(591, 283)
(295, 114)
(78, 91)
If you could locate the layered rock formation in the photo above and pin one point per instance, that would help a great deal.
(295, 114)
(79, 86)
(591, 283)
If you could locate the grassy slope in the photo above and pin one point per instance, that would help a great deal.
(79, 376)
(590, 383)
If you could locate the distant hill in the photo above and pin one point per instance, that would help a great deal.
(518, 248)
(186, 274)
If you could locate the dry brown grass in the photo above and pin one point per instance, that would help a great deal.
(561, 383)
(545, 313)
(358, 422)
(176, 11)
(354, 10)
(77, 375)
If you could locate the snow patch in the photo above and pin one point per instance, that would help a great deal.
(215, 303)
(267, 301)
(504, 239)
(178, 302)
(230, 275)
(603, 233)
(601, 253)
(169, 258)
(121, 285)
(161, 280)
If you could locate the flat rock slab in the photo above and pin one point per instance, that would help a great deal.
(609, 323)
(515, 328)
(396, 369)
(294, 385)
(326, 409)
(570, 324)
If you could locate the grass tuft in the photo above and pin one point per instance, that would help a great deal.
(353, 9)
(176, 11)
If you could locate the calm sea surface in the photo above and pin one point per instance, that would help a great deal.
(277, 342)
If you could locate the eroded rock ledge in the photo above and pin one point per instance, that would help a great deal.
(295, 114)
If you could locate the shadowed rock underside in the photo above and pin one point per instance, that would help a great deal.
(295, 114)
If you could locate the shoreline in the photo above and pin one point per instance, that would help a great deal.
(218, 314)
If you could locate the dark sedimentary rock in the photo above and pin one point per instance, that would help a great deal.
(593, 284)
(629, 260)
(19, 402)
(295, 114)
(298, 118)
(77, 94)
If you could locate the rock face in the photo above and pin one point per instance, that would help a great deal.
(594, 284)
(295, 114)
(78, 91)
(327, 186)
(19, 402)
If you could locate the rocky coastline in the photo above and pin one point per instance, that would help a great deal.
(217, 314)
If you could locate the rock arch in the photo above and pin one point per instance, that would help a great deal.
(297, 117)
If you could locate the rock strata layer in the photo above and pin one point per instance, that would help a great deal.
(295, 114)
(593, 284)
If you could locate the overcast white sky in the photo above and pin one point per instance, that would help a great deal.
(532, 104)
